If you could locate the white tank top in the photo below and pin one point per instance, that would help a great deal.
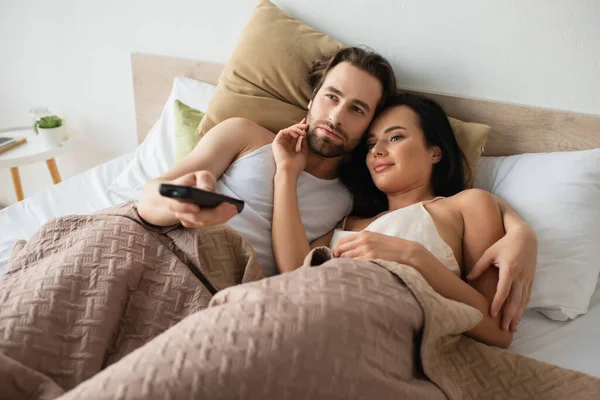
(323, 203)
(411, 223)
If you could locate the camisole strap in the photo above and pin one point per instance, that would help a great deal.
(344, 222)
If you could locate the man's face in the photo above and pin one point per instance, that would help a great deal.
(342, 110)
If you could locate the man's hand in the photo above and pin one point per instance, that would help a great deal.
(290, 148)
(515, 255)
(193, 216)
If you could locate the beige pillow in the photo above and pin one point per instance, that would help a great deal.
(471, 138)
(266, 78)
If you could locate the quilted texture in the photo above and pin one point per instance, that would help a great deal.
(345, 330)
(85, 291)
(341, 329)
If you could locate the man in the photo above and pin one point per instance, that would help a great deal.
(235, 158)
(351, 87)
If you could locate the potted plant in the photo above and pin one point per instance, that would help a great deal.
(50, 128)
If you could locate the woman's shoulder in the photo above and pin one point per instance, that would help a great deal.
(472, 199)
(465, 197)
(473, 193)
(453, 209)
(470, 203)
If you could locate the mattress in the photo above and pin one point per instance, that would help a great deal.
(81, 194)
(571, 344)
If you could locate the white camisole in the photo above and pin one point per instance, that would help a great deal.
(411, 223)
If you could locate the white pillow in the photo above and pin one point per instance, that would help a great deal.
(156, 154)
(558, 195)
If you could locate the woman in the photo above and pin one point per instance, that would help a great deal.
(410, 207)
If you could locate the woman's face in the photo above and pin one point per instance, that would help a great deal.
(398, 158)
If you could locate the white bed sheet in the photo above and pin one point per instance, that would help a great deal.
(81, 194)
(571, 344)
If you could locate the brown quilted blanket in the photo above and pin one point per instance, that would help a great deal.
(104, 306)
(86, 290)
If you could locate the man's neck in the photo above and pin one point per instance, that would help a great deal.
(321, 167)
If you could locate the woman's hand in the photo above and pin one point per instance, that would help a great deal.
(288, 154)
(366, 245)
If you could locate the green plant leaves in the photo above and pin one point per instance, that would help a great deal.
(49, 122)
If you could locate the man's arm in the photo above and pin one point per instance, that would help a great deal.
(290, 244)
(515, 255)
(511, 220)
(206, 163)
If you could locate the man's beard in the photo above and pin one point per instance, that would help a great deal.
(323, 145)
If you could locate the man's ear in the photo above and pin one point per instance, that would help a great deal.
(436, 154)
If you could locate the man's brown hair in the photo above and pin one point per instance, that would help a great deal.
(366, 60)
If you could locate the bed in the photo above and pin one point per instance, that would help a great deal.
(84, 193)
(515, 129)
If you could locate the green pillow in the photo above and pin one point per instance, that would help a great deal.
(187, 120)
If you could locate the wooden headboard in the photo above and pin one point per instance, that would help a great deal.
(516, 129)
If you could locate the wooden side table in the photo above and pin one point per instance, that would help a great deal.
(35, 150)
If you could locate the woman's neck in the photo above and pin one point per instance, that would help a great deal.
(411, 196)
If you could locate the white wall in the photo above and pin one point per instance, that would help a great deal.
(73, 56)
